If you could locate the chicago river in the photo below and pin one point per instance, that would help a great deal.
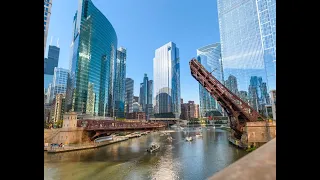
(198, 159)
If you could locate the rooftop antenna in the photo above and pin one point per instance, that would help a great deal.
(51, 41)
(58, 42)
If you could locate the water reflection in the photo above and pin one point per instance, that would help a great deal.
(178, 159)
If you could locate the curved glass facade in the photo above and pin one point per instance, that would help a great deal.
(166, 74)
(90, 88)
(210, 57)
(247, 34)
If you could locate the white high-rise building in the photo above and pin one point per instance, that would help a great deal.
(166, 74)
(60, 79)
(47, 14)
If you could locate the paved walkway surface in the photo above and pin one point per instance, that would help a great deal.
(259, 164)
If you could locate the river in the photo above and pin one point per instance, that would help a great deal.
(178, 159)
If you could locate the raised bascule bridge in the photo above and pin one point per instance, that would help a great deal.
(248, 126)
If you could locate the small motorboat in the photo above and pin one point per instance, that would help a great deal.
(189, 138)
(169, 139)
(153, 147)
(199, 135)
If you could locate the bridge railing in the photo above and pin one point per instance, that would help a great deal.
(100, 124)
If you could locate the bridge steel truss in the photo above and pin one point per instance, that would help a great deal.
(239, 112)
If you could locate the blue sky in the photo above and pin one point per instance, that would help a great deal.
(142, 26)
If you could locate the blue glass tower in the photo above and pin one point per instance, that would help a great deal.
(94, 43)
(119, 83)
(145, 99)
(52, 61)
(248, 44)
(210, 57)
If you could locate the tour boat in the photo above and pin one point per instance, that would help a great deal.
(153, 147)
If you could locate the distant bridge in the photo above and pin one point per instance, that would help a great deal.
(99, 127)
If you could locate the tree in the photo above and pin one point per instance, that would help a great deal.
(59, 124)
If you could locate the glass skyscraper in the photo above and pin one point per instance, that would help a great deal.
(146, 91)
(120, 83)
(47, 14)
(166, 73)
(93, 53)
(52, 61)
(60, 79)
(47, 80)
(210, 57)
(129, 95)
(248, 46)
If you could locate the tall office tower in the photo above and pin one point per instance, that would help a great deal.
(50, 93)
(93, 53)
(145, 98)
(129, 95)
(244, 96)
(248, 42)
(57, 109)
(47, 80)
(232, 84)
(166, 73)
(149, 109)
(258, 96)
(60, 79)
(119, 83)
(196, 111)
(52, 61)
(47, 14)
(210, 57)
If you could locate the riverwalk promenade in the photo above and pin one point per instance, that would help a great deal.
(83, 146)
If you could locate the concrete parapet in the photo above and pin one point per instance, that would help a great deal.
(259, 164)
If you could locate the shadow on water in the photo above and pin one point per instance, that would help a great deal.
(178, 159)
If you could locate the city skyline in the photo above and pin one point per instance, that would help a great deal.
(61, 26)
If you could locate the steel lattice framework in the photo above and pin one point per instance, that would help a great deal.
(238, 111)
